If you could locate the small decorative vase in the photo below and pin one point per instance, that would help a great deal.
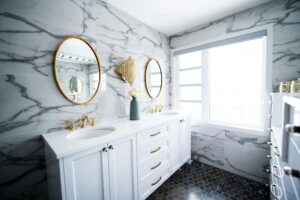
(134, 109)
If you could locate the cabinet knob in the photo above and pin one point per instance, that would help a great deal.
(268, 170)
(110, 147)
(268, 156)
(270, 130)
(269, 143)
(104, 149)
(290, 171)
(182, 120)
(291, 128)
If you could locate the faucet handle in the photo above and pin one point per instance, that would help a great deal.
(84, 117)
(83, 124)
(70, 124)
(93, 122)
(161, 107)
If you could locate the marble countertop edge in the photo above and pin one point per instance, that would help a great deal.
(63, 147)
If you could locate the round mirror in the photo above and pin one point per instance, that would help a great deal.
(153, 78)
(77, 70)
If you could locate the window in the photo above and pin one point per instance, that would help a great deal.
(224, 83)
(190, 73)
(235, 83)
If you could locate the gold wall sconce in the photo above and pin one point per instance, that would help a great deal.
(127, 70)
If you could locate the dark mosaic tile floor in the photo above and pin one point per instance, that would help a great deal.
(203, 182)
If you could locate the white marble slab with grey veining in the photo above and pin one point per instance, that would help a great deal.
(237, 152)
(31, 103)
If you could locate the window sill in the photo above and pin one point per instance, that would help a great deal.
(229, 128)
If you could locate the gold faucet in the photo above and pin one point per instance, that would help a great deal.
(93, 122)
(157, 108)
(160, 108)
(84, 119)
(71, 125)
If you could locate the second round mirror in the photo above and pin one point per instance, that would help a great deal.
(153, 78)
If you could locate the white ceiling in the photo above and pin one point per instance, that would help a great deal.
(174, 16)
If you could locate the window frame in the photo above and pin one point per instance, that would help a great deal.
(267, 80)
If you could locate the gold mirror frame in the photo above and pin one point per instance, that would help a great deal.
(56, 75)
(161, 80)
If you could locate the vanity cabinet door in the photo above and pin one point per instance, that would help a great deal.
(86, 175)
(185, 140)
(123, 169)
(174, 129)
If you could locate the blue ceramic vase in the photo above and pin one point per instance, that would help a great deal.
(134, 109)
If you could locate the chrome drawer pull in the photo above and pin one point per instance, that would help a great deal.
(269, 143)
(278, 189)
(155, 134)
(156, 150)
(268, 156)
(279, 173)
(152, 184)
(270, 130)
(291, 128)
(276, 150)
(290, 171)
(156, 166)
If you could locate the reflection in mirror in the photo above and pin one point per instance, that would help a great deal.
(77, 70)
(153, 78)
(75, 87)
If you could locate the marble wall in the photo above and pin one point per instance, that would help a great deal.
(244, 153)
(32, 105)
(236, 151)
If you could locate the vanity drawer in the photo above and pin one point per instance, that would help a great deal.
(152, 182)
(153, 149)
(151, 136)
(153, 164)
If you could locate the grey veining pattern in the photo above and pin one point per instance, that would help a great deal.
(234, 151)
(31, 104)
(282, 15)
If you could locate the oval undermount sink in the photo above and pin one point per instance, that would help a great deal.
(170, 113)
(91, 133)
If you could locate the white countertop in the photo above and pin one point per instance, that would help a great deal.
(62, 146)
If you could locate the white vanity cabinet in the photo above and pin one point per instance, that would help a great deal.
(180, 142)
(154, 160)
(107, 171)
(122, 168)
(130, 163)
(161, 151)
(185, 140)
(86, 175)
